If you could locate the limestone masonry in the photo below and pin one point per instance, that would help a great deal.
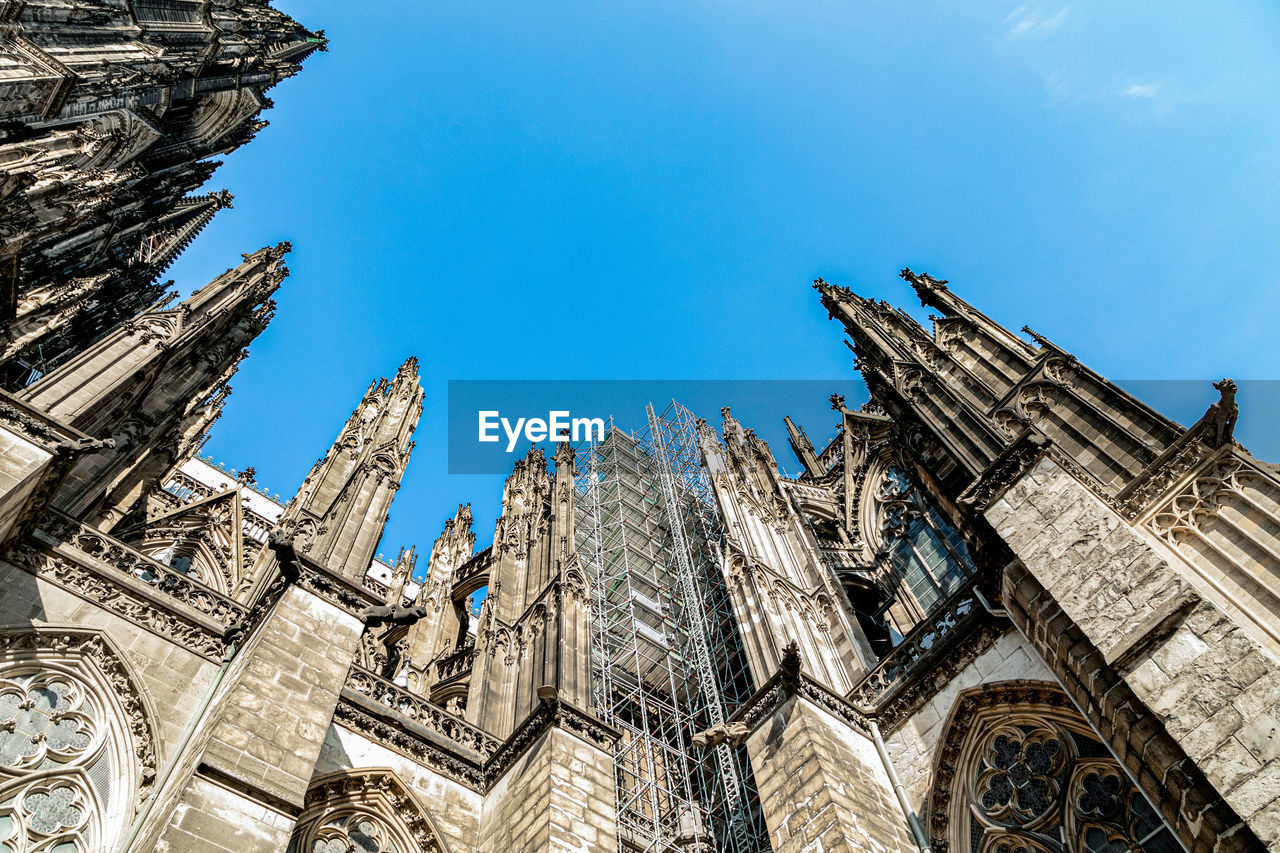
(1006, 608)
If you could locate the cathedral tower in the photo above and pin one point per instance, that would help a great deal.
(777, 578)
(153, 386)
(534, 629)
(444, 630)
(110, 114)
(1136, 556)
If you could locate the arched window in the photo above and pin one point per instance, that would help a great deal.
(76, 749)
(1019, 770)
(929, 559)
(365, 811)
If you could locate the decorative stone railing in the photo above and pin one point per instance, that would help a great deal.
(908, 658)
(842, 559)
(186, 488)
(256, 527)
(456, 663)
(376, 587)
(161, 578)
(421, 711)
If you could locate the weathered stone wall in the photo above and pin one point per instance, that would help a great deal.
(913, 743)
(173, 678)
(271, 731)
(454, 808)
(1184, 692)
(558, 797)
(212, 819)
(23, 465)
(267, 728)
(822, 785)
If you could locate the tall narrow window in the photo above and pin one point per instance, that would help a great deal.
(928, 556)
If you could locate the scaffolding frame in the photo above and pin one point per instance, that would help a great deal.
(668, 660)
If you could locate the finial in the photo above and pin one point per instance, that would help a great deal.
(564, 454)
(409, 368)
(924, 280)
(837, 402)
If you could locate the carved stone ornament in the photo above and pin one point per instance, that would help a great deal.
(386, 730)
(160, 577)
(1014, 461)
(928, 658)
(77, 746)
(427, 732)
(120, 600)
(1018, 769)
(366, 809)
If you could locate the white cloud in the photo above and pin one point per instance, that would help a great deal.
(1023, 22)
(1140, 90)
(1057, 85)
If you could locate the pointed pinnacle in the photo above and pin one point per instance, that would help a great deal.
(409, 368)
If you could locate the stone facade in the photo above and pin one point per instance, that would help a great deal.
(1006, 608)
(109, 115)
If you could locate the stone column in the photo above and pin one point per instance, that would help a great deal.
(822, 785)
(243, 785)
(558, 795)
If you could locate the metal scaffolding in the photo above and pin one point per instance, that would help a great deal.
(668, 658)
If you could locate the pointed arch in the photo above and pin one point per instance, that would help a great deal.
(371, 808)
(1019, 769)
(77, 740)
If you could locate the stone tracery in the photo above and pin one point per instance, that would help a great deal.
(75, 745)
(1020, 771)
(364, 811)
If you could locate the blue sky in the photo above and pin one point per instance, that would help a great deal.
(645, 190)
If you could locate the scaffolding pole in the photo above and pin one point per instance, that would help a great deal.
(668, 661)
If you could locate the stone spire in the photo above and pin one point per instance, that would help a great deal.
(154, 385)
(53, 321)
(443, 629)
(775, 575)
(988, 386)
(803, 448)
(338, 515)
(534, 631)
(401, 574)
(110, 116)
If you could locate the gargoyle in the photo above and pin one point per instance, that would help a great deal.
(1222, 415)
(235, 632)
(281, 543)
(391, 614)
(731, 733)
(789, 670)
(70, 447)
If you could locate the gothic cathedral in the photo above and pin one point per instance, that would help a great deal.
(1005, 608)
